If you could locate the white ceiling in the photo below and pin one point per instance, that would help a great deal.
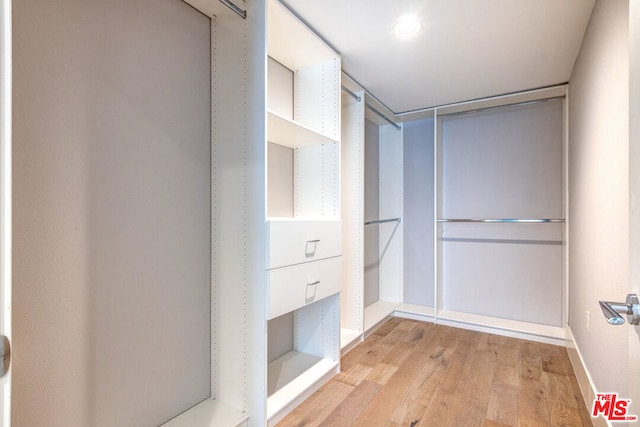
(467, 49)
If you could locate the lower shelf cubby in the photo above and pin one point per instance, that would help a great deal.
(304, 353)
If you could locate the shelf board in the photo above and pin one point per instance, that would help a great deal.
(300, 218)
(283, 131)
(210, 413)
(291, 376)
(517, 329)
(416, 312)
(212, 8)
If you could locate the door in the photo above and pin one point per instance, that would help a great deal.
(5, 207)
(634, 197)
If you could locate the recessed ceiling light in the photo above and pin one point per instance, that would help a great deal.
(407, 27)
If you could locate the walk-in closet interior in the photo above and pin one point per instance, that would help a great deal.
(285, 212)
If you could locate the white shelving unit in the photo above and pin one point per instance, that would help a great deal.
(304, 230)
(238, 292)
(276, 219)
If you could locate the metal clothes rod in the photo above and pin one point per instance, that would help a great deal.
(236, 9)
(507, 220)
(382, 221)
(353, 95)
(383, 116)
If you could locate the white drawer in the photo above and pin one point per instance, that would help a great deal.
(293, 287)
(294, 242)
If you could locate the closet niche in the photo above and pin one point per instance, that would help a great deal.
(383, 228)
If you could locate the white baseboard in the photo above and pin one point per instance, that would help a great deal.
(585, 382)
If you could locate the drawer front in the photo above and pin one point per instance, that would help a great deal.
(295, 242)
(293, 287)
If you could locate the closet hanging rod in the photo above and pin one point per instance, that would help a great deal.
(507, 220)
(353, 94)
(383, 116)
(382, 221)
(236, 9)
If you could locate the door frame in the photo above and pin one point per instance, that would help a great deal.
(5, 196)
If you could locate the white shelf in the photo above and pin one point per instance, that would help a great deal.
(495, 325)
(210, 413)
(349, 338)
(212, 8)
(291, 376)
(377, 312)
(283, 131)
(301, 218)
(416, 312)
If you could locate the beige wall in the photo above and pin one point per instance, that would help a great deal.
(598, 192)
(111, 212)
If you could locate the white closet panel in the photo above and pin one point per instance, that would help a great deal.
(352, 195)
(317, 97)
(317, 181)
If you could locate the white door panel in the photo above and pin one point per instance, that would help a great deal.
(634, 198)
(5, 202)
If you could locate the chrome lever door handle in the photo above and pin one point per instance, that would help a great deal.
(613, 311)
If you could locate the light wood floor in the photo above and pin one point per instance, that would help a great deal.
(410, 373)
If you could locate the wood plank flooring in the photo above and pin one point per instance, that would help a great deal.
(410, 373)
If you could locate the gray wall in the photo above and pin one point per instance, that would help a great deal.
(111, 212)
(417, 221)
(598, 193)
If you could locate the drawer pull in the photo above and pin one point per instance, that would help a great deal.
(310, 293)
(311, 247)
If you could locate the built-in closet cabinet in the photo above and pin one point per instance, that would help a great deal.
(372, 193)
(463, 208)
(304, 232)
(500, 214)
(276, 214)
